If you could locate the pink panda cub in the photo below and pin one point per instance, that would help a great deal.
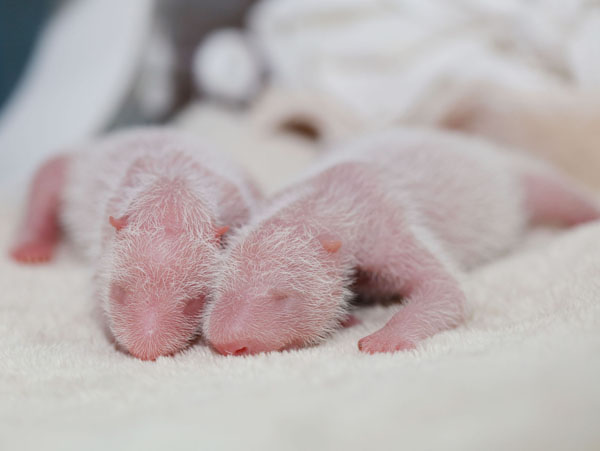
(407, 209)
(149, 208)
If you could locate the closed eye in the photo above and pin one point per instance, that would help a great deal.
(118, 293)
(278, 295)
(194, 306)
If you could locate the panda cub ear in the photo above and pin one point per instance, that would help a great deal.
(330, 243)
(118, 223)
(220, 232)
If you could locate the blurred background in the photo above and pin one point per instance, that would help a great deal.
(287, 76)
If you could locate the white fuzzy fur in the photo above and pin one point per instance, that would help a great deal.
(424, 169)
(98, 168)
(457, 197)
(159, 179)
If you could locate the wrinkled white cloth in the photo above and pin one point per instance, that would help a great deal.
(386, 59)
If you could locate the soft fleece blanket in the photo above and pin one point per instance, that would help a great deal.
(522, 373)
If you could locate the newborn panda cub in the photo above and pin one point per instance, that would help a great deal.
(149, 207)
(408, 210)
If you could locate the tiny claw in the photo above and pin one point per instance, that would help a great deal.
(33, 252)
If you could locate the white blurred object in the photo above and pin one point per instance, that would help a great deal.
(387, 59)
(227, 66)
(585, 52)
(76, 81)
(155, 86)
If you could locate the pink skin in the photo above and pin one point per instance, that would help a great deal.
(158, 287)
(161, 257)
(160, 277)
(292, 290)
(284, 317)
(275, 311)
(160, 237)
(550, 198)
(40, 232)
(285, 280)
